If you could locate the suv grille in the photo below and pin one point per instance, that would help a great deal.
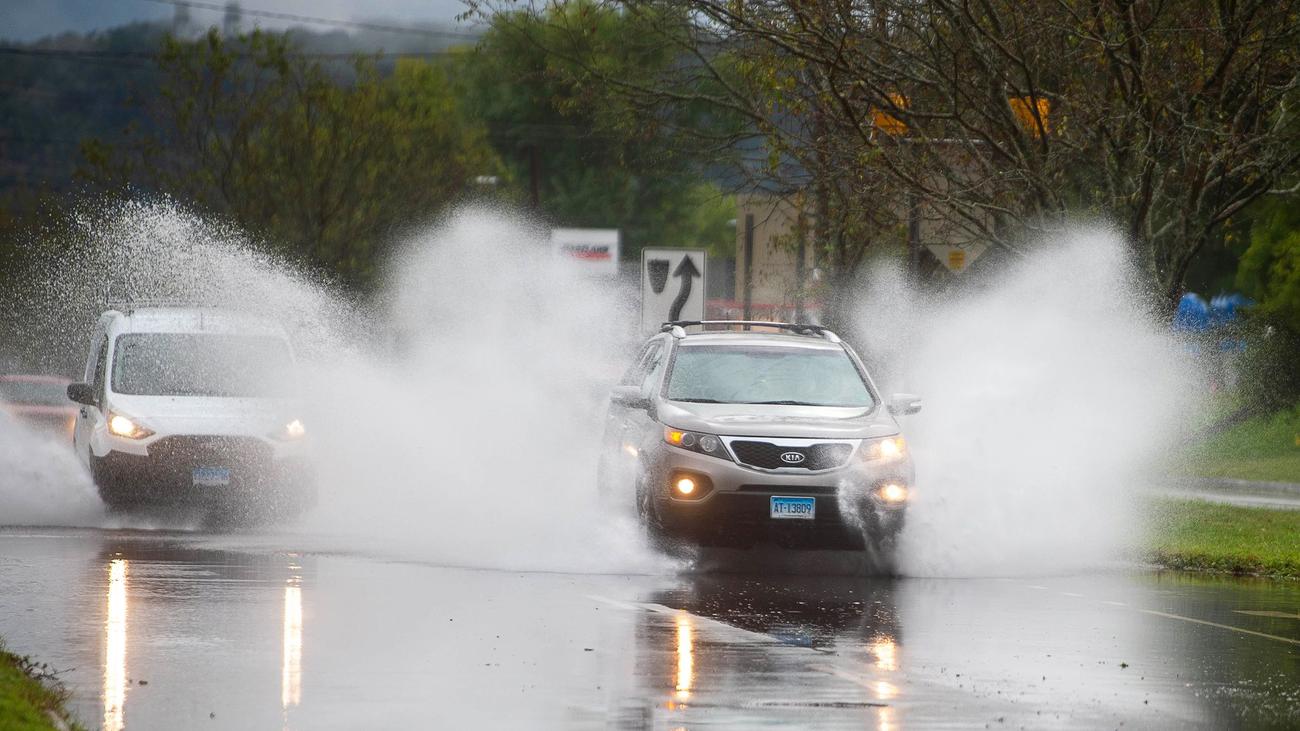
(767, 456)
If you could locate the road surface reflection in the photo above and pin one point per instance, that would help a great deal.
(115, 647)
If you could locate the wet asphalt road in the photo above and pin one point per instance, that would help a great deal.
(161, 630)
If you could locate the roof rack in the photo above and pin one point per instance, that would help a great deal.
(129, 305)
(678, 327)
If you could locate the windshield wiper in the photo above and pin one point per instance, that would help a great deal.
(700, 401)
(785, 403)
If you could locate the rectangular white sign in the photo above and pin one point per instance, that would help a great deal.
(596, 249)
(672, 286)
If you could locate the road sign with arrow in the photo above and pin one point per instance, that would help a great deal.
(672, 286)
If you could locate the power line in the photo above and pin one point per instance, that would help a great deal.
(320, 21)
(64, 53)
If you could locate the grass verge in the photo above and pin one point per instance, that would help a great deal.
(1262, 448)
(1202, 536)
(31, 697)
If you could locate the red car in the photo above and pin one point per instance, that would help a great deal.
(41, 402)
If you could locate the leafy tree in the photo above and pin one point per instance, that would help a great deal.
(600, 157)
(1269, 272)
(325, 164)
(998, 119)
(1270, 269)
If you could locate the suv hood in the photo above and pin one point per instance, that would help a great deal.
(764, 420)
(168, 415)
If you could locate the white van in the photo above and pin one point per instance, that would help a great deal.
(191, 405)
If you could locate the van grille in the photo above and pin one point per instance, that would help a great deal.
(768, 456)
(211, 450)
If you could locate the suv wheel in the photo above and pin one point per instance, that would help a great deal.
(655, 534)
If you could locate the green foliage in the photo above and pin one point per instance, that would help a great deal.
(1270, 269)
(323, 164)
(602, 159)
(1212, 537)
(1269, 272)
(1265, 447)
(29, 694)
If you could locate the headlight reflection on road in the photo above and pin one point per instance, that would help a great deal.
(291, 661)
(685, 656)
(885, 719)
(115, 648)
(886, 653)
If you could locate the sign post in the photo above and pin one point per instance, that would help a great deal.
(672, 286)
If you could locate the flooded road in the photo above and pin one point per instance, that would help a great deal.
(186, 630)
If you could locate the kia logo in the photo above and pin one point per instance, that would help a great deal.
(792, 457)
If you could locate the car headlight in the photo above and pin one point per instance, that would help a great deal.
(124, 427)
(886, 450)
(292, 431)
(696, 442)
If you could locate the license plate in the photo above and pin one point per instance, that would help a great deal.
(211, 476)
(794, 508)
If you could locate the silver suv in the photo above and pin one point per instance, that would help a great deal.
(771, 432)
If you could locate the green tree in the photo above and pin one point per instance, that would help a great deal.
(324, 163)
(1270, 269)
(601, 157)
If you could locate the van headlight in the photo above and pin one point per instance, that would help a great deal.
(888, 449)
(696, 442)
(292, 431)
(122, 426)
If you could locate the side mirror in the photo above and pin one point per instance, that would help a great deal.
(82, 393)
(630, 397)
(902, 404)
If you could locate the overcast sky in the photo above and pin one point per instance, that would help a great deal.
(27, 20)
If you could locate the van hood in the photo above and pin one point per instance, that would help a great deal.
(169, 415)
(765, 420)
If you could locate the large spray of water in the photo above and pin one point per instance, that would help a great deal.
(457, 420)
(1052, 394)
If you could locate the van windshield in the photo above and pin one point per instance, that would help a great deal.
(755, 374)
(200, 364)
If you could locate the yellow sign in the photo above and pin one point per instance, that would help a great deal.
(888, 123)
(1029, 111)
(956, 258)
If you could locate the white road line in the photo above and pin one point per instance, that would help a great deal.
(1207, 622)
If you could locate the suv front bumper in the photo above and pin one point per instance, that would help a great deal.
(736, 507)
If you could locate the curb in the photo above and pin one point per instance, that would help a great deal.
(1229, 485)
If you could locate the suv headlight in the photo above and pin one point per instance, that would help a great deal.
(696, 442)
(885, 450)
(123, 427)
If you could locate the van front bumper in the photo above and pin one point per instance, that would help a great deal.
(165, 475)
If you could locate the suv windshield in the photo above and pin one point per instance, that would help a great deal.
(187, 364)
(756, 374)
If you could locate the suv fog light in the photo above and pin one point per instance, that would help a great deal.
(689, 485)
(892, 493)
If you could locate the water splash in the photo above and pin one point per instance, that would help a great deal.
(455, 419)
(1051, 396)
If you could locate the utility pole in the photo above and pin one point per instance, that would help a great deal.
(914, 237)
(748, 278)
(534, 177)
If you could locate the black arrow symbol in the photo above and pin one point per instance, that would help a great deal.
(687, 271)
